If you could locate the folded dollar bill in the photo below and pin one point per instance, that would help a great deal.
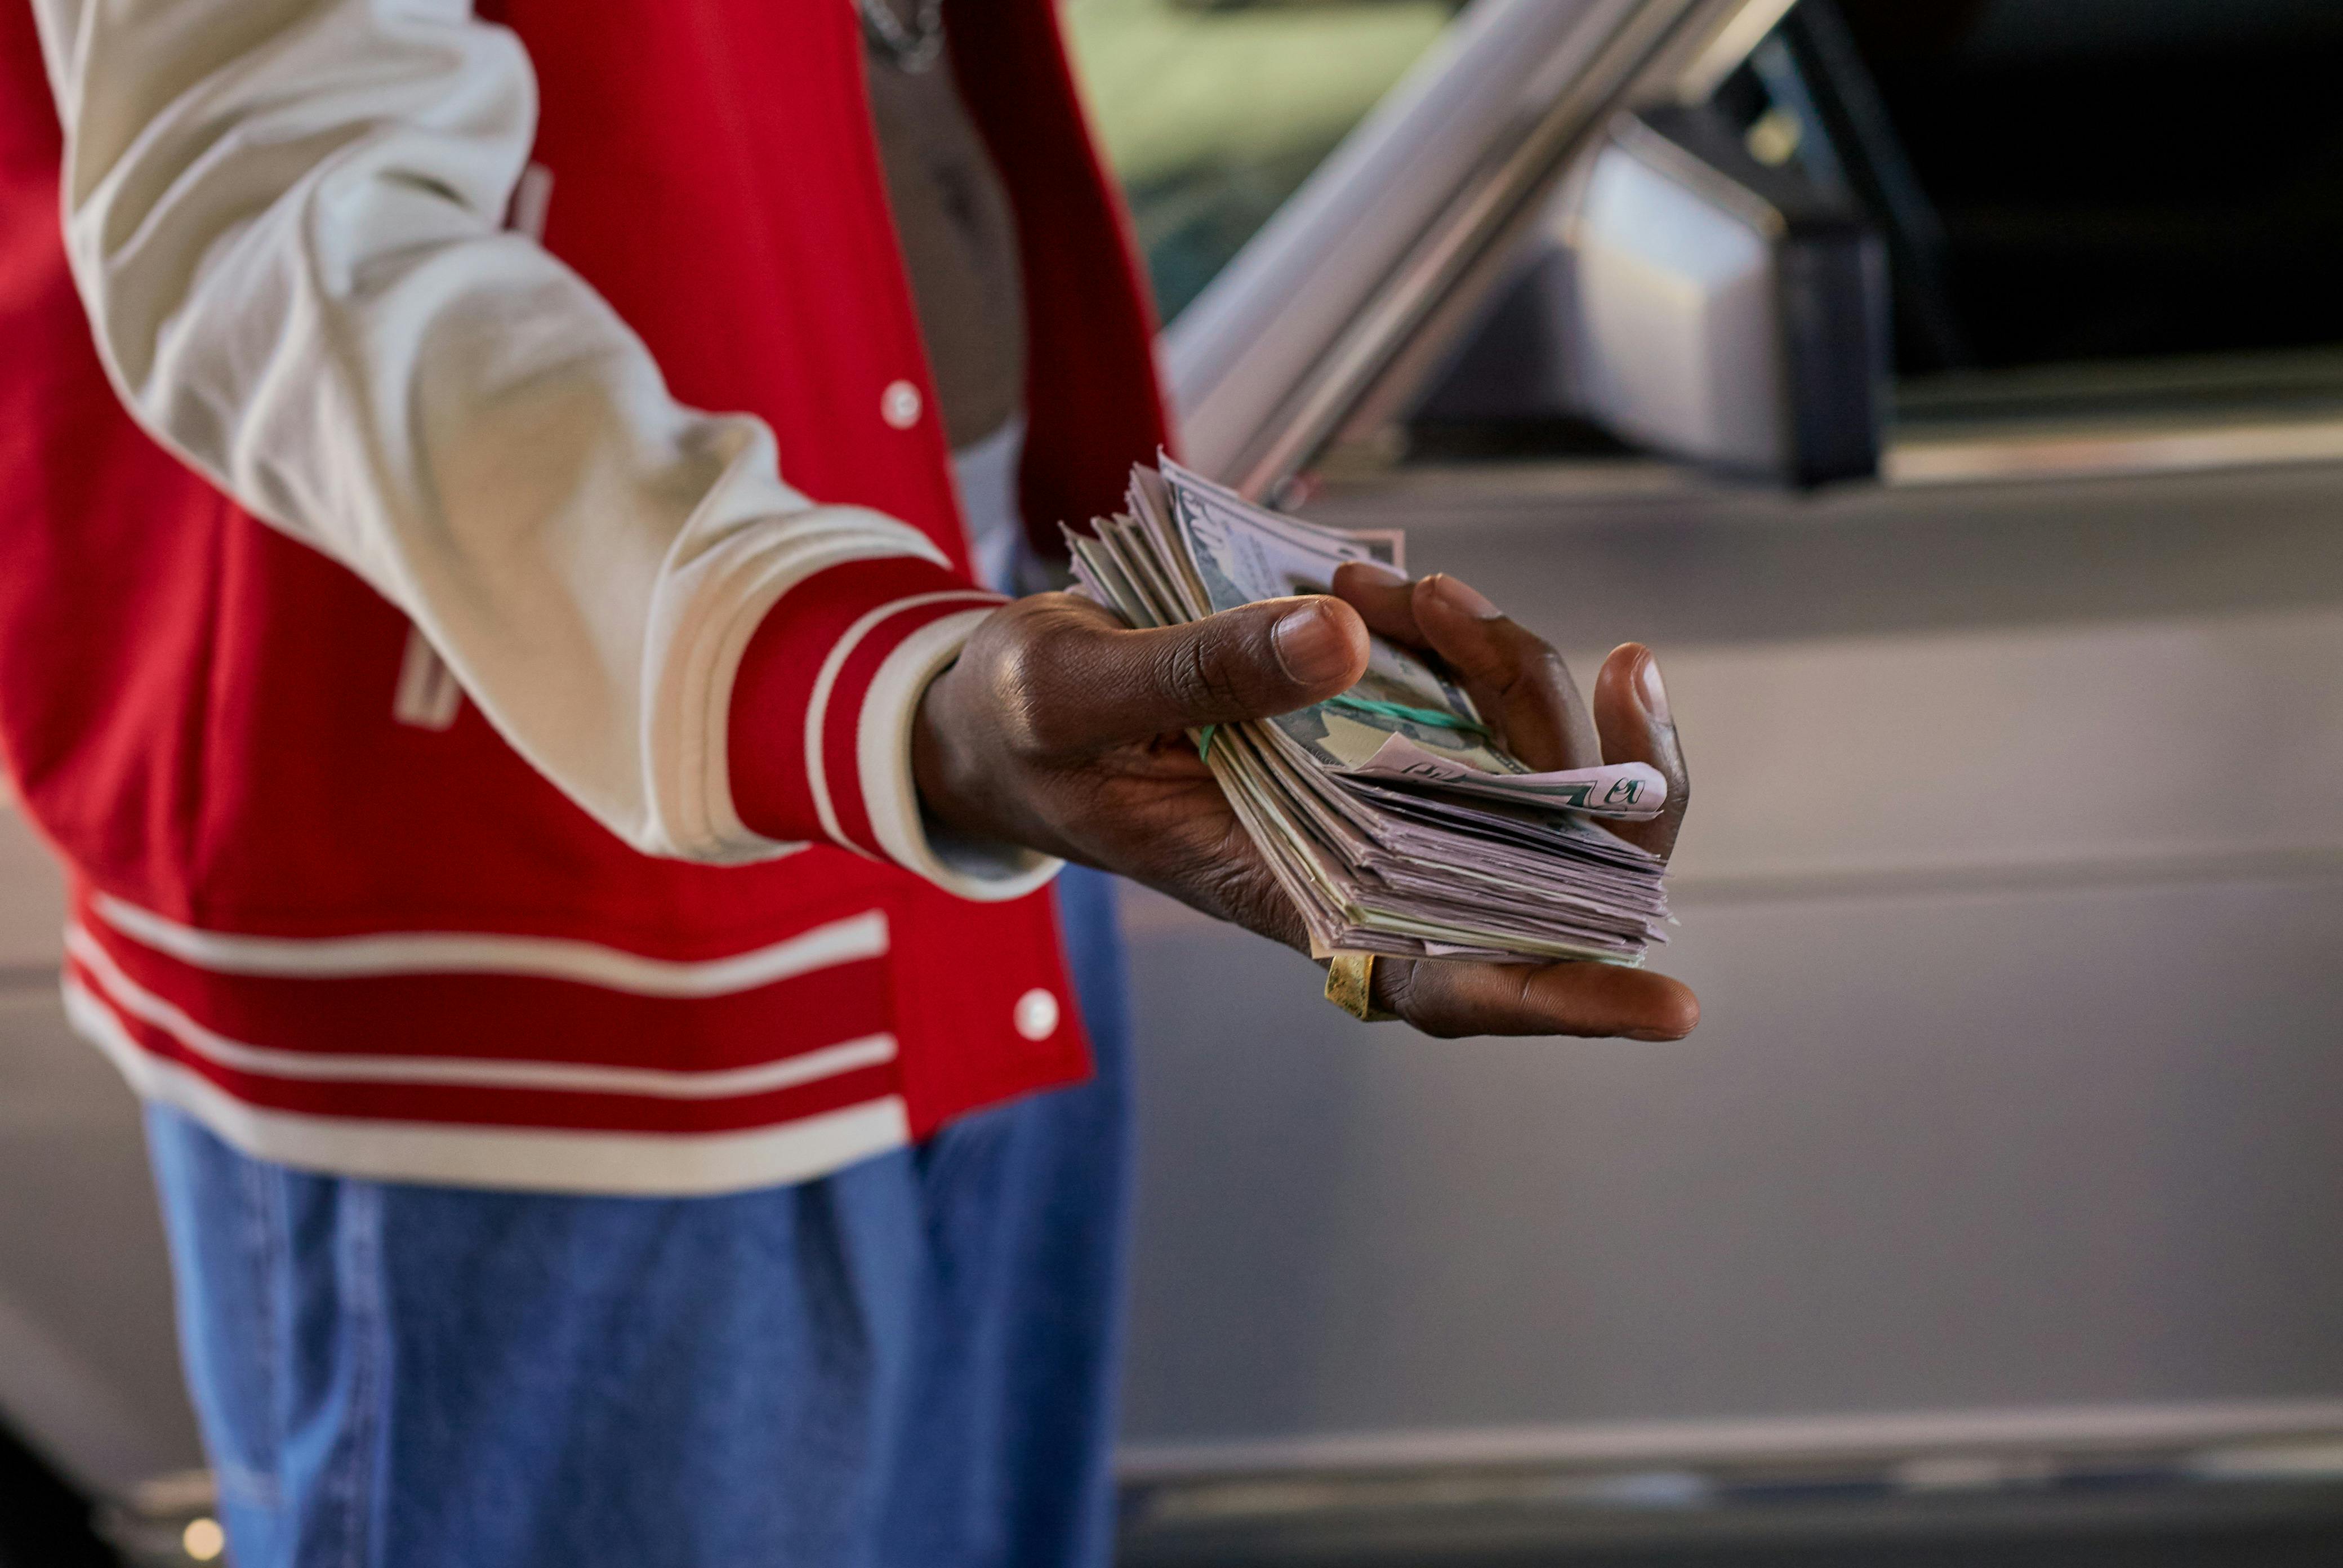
(1390, 814)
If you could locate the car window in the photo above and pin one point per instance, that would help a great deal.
(2116, 178)
(2105, 210)
(1213, 112)
(2102, 213)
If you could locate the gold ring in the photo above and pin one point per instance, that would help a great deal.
(1351, 986)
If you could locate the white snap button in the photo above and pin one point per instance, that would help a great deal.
(1036, 1014)
(899, 404)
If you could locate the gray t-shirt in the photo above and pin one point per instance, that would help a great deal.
(960, 241)
(960, 246)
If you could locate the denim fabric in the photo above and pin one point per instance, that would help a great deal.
(909, 1362)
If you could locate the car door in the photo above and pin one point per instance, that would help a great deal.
(2012, 885)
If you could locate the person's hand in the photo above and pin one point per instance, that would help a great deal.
(1062, 729)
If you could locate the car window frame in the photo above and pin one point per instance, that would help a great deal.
(1340, 307)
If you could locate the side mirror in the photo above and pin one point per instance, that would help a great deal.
(1690, 299)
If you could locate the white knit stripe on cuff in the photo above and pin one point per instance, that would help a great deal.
(826, 683)
(883, 758)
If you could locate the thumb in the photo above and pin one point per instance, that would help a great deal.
(1250, 662)
(1631, 714)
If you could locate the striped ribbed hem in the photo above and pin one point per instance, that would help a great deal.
(498, 1060)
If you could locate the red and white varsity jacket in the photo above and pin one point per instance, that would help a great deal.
(475, 763)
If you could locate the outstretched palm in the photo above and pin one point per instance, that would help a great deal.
(1061, 730)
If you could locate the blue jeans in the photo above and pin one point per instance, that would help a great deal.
(909, 1362)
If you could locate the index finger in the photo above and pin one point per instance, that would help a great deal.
(1384, 598)
(1517, 679)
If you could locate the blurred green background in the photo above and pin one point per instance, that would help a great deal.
(1213, 113)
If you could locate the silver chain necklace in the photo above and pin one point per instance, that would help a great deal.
(912, 48)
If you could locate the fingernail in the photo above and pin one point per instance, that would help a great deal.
(1310, 645)
(1375, 571)
(1465, 598)
(1653, 690)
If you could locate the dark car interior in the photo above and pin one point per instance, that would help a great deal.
(2088, 210)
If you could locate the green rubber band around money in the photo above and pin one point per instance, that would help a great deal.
(1425, 716)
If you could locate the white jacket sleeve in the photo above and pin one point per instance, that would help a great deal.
(285, 219)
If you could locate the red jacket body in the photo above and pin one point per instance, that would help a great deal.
(354, 943)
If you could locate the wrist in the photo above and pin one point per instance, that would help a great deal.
(941, 757)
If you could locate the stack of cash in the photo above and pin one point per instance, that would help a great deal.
(1389, 814)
